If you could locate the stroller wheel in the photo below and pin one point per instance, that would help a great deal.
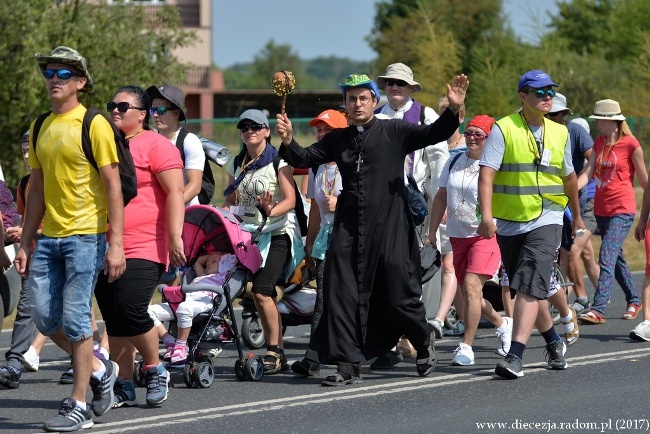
(188, 375)
(204, 373)
(254, 368)
(252, 333)
(239, 370)
(138, 378)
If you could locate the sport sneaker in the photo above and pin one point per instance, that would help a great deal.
(387, 361)
(458, 330)
(555, 355)
(581, 308)
(306, 368)
(641, 332)
(103, 396)
(436, 326)
(464, 356)
(504, 333)
(67, 377)
(31, 360)
(9, 377)
(124, 392)
(510, 368)
(179, 355)
(572, 336)
(70, 418)
(157, 380)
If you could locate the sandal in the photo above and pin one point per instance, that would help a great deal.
(275, 362)
(405, 347)
(592, 317)
(340, 379)
(632, 311)
(572, 336)
(425, 365)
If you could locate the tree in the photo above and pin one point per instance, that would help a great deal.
(433, 58)
(122, 43)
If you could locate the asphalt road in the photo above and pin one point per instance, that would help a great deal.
(605, 389)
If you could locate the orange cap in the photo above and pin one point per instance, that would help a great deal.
(333, 118)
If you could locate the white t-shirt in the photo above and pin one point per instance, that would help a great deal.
(327, 178)
(462, 193)
(252, 186)
(194, 158)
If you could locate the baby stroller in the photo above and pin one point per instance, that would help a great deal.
(296, 307)
(208, 229)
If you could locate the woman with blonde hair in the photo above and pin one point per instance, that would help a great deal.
(617, 156)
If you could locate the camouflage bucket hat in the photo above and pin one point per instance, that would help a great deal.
(66, 56)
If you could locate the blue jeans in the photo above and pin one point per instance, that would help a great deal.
(62, 276)
(612, 263)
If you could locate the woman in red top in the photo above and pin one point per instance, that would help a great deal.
(617, 156)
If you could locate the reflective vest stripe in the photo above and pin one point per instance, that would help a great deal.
(529, 167)
(519, 190)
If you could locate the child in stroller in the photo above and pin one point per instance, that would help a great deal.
(210, 269)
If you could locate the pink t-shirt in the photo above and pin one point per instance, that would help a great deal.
(145, 217)
(614, 175)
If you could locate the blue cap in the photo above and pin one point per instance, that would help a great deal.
(535, 79)
(359, 80)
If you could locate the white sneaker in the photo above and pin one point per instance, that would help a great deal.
(504, 333)
(641, 332)
(464, 356)
(31, 360)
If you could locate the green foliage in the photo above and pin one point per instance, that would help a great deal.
(123, 45)
(319, 73)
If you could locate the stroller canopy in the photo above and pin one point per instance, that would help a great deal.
(209, 229)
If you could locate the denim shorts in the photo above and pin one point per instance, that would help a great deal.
(62, 276)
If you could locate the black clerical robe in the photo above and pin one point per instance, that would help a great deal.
(372, 278)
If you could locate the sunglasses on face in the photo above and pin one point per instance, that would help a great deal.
(541, 93)
(160, 110)
(252, 127)
(63, 74)
(399, 83)
(477, 136)
(122, 107)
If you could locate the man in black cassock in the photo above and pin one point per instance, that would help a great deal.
(372, 281)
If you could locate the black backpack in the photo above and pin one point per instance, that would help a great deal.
(126, 165)
(299, 208)
(207, 183)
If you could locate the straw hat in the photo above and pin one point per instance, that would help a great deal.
(607, 109)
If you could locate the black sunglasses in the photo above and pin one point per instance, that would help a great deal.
(63, 74)
(399, 83)
(160, 110)
(252, 127)
(122, 107)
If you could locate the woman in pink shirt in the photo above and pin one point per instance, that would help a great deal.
(153, 222)
(617, 156)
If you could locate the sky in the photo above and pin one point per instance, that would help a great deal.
(336, 27)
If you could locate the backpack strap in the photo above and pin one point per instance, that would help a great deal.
(180, 142)
(86, 144)
(37, 127)
(453, 161)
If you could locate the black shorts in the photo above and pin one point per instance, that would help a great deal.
(529, 259)
(124, 302)
(265, 279)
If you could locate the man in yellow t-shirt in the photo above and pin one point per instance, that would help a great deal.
(74, 200)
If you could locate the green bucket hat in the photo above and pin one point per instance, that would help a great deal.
(66, 56)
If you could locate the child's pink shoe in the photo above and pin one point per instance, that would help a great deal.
(179, 355)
